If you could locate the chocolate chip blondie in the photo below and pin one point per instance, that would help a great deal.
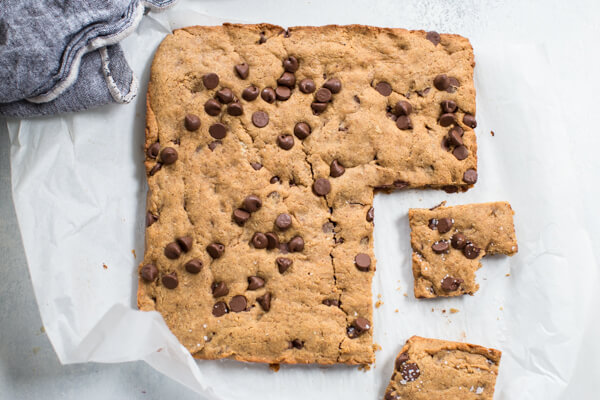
(431, 369)
(449, 242)
(263, 149)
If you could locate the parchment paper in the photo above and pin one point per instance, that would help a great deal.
(79, 191)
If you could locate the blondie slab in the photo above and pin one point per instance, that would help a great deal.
(449, 242)
(431, 369)
(264, 147)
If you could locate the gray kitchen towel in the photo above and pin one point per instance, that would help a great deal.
(63, 55)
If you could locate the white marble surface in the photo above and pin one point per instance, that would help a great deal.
(29, 369)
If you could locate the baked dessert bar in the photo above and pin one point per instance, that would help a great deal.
(263, 149)
(431, 369)
(449, 242)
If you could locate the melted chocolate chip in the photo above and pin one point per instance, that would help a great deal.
(371, 214)
(172, 251)
(185, 243)
(404, 123)
(291, 64)
(259, 240)
(153, 150)
(384, 88)
(252, 203)
(433, 37)
(307, 85)
(238, 303)
(362, 262)
(410, 372)
(283, 264)
(210, 80)
(331, 302)
(219, 289)
(323, 95)
(265, 301)
(460, 152)
(302, 130)
(471, 251)
(149, 272)
(268, 95)
(287, 79)
(444, 225)
(459, 241)
(193, 266)
(318, 108)
(403, 107)
(469, 121)
(448, 106)
(250, 93)
(470, 176)
(168, 155)
(441, 82)
(283, 221)
(272, 241)
(220, 309)
(296, 244)
(286, 142)
(242, 70)
(282, 93)
(150, 218)
(333, 84)
(255, 282)
(215, 250)
(450, 284)
(336, 169)
(447, 119)
(217, 130)
(212, 107)
(260, 119)
(170, 281)
(401, 359)
(191, 122)
(225, 96)
(441, 246)
(321, 187)
(235, 109)
(240, 216)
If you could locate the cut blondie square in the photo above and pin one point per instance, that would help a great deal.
(431, 369)
(449, 242)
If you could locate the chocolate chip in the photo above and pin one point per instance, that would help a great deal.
(440, 247)
(371, 214)
(318, 108)
(361, 325)
(213, 145)
(286, 142)
(433, 224)
(302, 130)
(240, 216)
(441, 82)
(210, 80)
(424, 92)
(220, 309)
(170, 281)
(155, 169)
(153, 150)
(351, 332)
(455, 136)
(235, 109)
(336, 169)
(469, 121)
(291, 64)
(168, 155)
(444, 225)
(296, 244)
(172, 251)
(268, 95)
(297, 344)
(384, 88)
(448, 106)
(250, 93)
(217, 130)
(283, 264)
(252, 203)
(265, 301)
(219, 289)
(225, 96)
(433, 37)
(333, 84)
(321, 187)
(410, 372)
(149, 272)
(328, 227)
(403, 122)
(401, 359)
(242, 70)
(450, 284)
(307, 85)
(191, 122)
(150, 218)
(212, 107)
(260, 119)
(470, 176)
(458, 240)
(403, 107)
(259, 240)
(447, 119)
(193, 266)
(471, 251)
(255, 282)
(282, 93)
(331, 302)
(185, 243)
(356, 99)
(362, 262)
(454, 83)
(215, 250)
(238, 303)
(274, 180)
(283, 221)
(262, 39)
(323, 95)
(287, 79)
(460, 152)
(272, 241)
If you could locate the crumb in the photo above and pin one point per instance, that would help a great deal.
(379, 296)
(143, 392)
(364, 367)
(501, 308)
(104, 266)
(444, 311)
(454, 310)
(405, 295)
(36, 350)
(396, 310)
(274, 367)
(492, 132)
(376, 347)
(507, 274)
(159, 350)
(133, 252)
(442, 204)
(432, 310)
(378, 303)
(463, 334)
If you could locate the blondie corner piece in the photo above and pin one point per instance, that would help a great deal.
(264, 147)
(431, 369)
(449, 242)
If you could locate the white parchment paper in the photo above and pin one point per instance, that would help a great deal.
(79, 192)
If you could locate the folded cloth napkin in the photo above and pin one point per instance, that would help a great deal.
(63, 55)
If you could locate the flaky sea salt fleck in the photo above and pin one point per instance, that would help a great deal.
(479, 390)
(205, 338)
(205, 326)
